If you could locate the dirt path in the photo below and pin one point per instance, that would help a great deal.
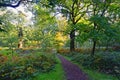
(72, 71)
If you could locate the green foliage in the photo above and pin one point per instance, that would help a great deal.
(4, 24)
(24, 67)
(103, 62)
(56, 74)
(46, 28)
(102, 27)
(95, 75)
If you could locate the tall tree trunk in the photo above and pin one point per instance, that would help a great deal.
(93, 49)
(72, 40)
(94, 40)
(20, 35)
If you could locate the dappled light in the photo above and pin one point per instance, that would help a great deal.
(59, 39)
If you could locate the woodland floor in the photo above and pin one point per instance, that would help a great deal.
(72, 71)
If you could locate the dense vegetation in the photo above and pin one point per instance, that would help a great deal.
(104, 62)
(25, 66)
(33, 31)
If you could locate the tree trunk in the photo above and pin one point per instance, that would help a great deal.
(72, 40)
(20, 44)
(93, 49)
(20, 35)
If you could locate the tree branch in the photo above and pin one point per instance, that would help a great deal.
(10, 5)
(106, 7)
(83, 13)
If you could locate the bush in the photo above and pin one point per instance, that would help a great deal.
(63, 51)
(116, 48)
(3, 58)
(25, 66)
(104, 62)
(80, 50)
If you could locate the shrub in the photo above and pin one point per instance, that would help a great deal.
(116, 48)
(104, 62)
(25, 66)
(80, 50)
(63, 51)
(2, 59)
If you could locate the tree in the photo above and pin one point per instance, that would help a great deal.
(99, 16)
(73, 10)
(45, 28)
(8, 34)
(61, 35)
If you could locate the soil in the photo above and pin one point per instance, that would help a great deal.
(72, 71)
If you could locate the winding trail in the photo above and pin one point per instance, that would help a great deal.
(72, 71)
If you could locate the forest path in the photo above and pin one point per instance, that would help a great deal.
(72, 71)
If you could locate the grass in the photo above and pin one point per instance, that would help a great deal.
(56, 74)
(8, 53)
(5, 52)
(94, 75)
